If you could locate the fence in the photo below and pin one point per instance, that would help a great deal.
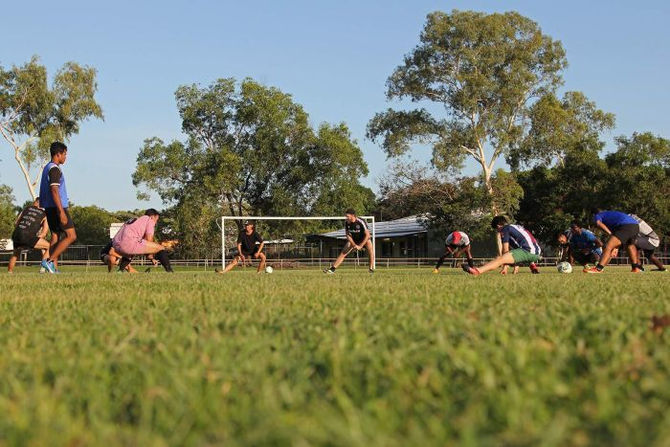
(89, 256)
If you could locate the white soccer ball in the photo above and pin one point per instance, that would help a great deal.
(564, 267)
(269, 269)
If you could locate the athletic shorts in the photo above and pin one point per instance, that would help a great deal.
(582, 258)
(22, 240)
(53, 220)
(646, 243)
(522, 256)
(246, 252)
(627, 233)
(348, 245)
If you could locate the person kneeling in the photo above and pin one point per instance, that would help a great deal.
(519, 247)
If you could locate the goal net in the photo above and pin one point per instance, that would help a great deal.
(295, 242)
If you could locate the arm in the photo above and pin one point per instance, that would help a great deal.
(351, 241)
(603, 227)
(239, 251)
(505, 249)
(365, 239)
(260, 247)
(44, 230)
(59, 205)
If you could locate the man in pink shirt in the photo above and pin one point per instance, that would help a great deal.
(136, 237)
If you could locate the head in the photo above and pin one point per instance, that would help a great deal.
(36, 202)
(58, 152)
(249, 226)
(576, 227)
(153, 214)
(498, 222)
(350, 215)
(562, 239)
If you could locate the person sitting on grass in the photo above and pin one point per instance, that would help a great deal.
(582, 245)
(519, 246)
(111, 258)
(456, 244)
(30, 230)
(358, 237)
(249, 243)
(648, 241)
(623, 230)
(136, 237)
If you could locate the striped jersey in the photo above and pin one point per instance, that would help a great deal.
(356, 229)
(458, 239)
(518, 237)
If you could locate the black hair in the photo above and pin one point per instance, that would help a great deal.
(56, 148)
(151, 212)
(576, 223)
(596, 210)
(350, 211)
(498, 220)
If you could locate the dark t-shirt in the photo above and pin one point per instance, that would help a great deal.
(248, 241)
(30, 222)
(356, 229)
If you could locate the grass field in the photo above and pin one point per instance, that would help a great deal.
(299, 358)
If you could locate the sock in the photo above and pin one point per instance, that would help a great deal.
(164, 259)
(635, 266)
(124, 263)
(600, 267)
(440, 262)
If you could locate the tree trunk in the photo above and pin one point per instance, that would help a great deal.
(17, 157)
(494, 207)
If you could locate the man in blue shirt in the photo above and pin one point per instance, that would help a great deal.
(582, 245)
(54, 200)
(623, 230)
(519, 247)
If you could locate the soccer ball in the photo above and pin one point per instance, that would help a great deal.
(564, 267)
(269, 269)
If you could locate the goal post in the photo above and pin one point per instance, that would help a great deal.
(370, 220)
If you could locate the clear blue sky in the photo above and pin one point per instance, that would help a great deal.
(333, 57)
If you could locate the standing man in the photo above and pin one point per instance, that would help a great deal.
(136, 237)
(358, 237)
(519, 247)
(30, 229)
(456, 244)
(623, 230)
(249, 243)
(648, 241)
(583, 245)
(54, 200)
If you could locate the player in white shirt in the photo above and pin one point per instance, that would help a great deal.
(456, 244)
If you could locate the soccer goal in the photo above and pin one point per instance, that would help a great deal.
(281, 232)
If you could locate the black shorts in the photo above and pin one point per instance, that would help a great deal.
(584, 259)
(627, 234)
(246, 252)
(24, 241)
(53, 219)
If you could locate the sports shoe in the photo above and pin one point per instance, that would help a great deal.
(471, 270)
(436, 270)
(636, 270)
(48, 266)
(534, 270)
(329, 271)
(592, 270)
(371, 271)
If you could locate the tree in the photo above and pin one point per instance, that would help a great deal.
(572, 125)
(7, 212)
(250, 150)
(92, 224)
(484, 70)
(32, 114)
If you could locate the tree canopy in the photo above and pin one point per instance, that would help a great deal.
(33, 113)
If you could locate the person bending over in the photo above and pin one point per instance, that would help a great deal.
(457, 244)
(358, 237)
(136, 237)
(519, 246)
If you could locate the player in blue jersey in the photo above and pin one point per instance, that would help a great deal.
(623, 230)
(54, 200)
(581, 245)
(519, 247)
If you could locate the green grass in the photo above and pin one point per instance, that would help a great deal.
(300, 358)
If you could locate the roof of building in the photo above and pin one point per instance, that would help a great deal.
(391, 228)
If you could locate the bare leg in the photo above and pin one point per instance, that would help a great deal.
(612, 243)
(371, 254)
(343, 254)
(632, 253)
(12, 260)
(261, 265)
(63, 244)
(231, 264)
(498, 262)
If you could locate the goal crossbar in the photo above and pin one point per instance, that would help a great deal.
(371, 219)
